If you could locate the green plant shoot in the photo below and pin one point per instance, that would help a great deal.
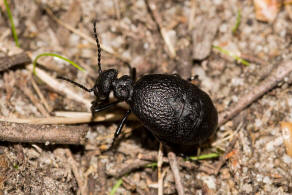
(116, 186)
(58, 56)
(238, 59)
(11, 23)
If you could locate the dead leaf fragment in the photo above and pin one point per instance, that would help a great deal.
(287, 136)
(267, 10)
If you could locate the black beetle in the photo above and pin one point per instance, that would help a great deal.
(173, 109)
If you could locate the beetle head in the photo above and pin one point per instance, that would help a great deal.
(104, 84)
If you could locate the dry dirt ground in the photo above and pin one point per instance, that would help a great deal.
(154, 36)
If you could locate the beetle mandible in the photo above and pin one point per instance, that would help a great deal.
(173, 109)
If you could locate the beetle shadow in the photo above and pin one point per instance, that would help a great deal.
(144, 138)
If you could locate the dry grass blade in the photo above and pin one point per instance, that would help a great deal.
(23, 86)
(41, 96)
(84, 118)
(60, 86)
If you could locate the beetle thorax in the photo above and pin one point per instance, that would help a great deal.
(123, 88)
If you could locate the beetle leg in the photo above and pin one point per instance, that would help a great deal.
(120, 127)
(133, 74)
(96, 107)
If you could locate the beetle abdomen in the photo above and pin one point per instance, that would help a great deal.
(173, 109)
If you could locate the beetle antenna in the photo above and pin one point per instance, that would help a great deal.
(98, 47)
(74, 83)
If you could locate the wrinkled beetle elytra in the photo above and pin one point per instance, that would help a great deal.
(173, 109)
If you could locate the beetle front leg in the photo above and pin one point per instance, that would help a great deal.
(98, 107)
(122, 123)
(120, 127)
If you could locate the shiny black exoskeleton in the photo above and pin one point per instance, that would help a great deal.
(174, 110)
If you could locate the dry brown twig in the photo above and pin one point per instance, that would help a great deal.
(81, 180)
(278, 75)
(14, 60)
(223, 158)
(23, 86)
(127, 167)
(159, 166)
(55, 134)
(175, 170)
